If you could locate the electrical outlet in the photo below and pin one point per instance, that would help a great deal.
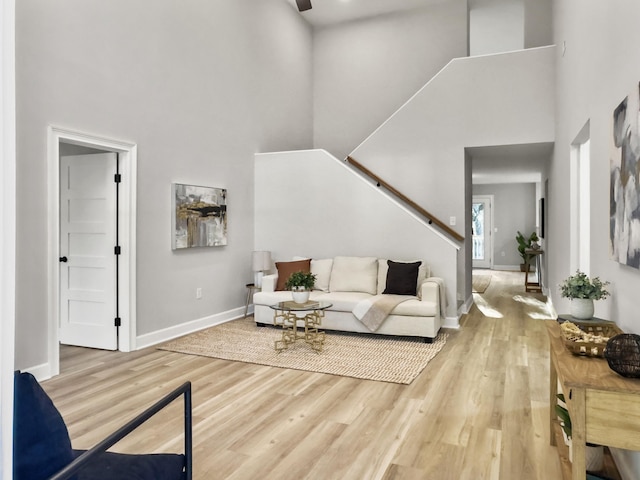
(502, 254)
(452, 221)
(198, 293)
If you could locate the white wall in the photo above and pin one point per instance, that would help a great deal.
(514, 209)
(496, 26)
(308, 203)
(365, 70)
(504, 99)
(7, 231)
(538, 23)
(600, 67)
(199, 87)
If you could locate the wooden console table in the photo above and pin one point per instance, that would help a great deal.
(537, 285)
(604, 407)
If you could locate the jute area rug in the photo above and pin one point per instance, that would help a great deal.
(480, 283)
(370, 357)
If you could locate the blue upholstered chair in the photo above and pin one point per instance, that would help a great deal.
(42, 448)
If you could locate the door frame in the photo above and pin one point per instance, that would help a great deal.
(127, 233)
(488, 237)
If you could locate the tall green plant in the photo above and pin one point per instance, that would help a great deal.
(525, 243)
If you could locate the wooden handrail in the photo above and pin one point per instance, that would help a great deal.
(381, 183)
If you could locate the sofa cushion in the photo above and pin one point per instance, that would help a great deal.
(41, 444)
(122, 466)
(416, 308)
(402, 278)
(321, 268)
(285, 269)
(354, 274)
(383, 267)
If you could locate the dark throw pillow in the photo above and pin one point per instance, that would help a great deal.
(402, 278)
(285, 269)
(41, 444)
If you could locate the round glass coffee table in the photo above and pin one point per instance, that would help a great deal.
(288, 314)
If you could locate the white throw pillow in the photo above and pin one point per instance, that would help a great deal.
(322, 270)
(383, 267)
(354, 274)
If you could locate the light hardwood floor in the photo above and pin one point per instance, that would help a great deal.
(478, 411)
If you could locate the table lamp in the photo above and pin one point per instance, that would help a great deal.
(261, 264)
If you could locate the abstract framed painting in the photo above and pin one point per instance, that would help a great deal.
(624, 194)
(199, 216)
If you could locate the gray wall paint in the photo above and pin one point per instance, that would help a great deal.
(365, 70)
(595, 73)
(199, 87)
(514, 208)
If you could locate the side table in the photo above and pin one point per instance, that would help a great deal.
(537, 285)
(604, 407)
(251, 289)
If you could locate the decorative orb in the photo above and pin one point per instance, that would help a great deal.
(623, 354)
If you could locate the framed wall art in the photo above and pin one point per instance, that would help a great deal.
(199, 216)
(624, 221)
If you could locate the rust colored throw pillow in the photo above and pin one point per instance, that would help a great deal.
(285, 269)
(402, 278)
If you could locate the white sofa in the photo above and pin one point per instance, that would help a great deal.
(346, 281)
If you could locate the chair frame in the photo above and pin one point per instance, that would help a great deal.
(85, 458)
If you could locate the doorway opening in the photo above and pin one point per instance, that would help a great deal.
(64, 145)
(580, 201)
(481, 227)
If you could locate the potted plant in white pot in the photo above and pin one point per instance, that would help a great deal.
(300, 284)
(582, 291)
(525, 243)
(594, 454)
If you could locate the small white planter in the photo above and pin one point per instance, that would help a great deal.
(582, 308)
(300, 296)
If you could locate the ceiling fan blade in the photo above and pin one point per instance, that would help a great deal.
(304, 5)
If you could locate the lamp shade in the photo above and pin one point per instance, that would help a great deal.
(261, 261)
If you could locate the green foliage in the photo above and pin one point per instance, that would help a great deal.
(581, 286)
(525, 243)
(563, 415)
(300, 281)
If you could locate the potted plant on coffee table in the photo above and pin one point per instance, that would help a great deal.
(300, 284)
(525, 243)
(582, 291)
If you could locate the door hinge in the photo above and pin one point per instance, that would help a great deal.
(118, 322)
(117, 178)
(116, 250)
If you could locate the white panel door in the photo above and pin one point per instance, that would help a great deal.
(87, 262)
(481, 231)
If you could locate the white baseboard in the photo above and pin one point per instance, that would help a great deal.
(451, 322)
(160, 336)
(509, 268)
(41, 372)
(466, 306)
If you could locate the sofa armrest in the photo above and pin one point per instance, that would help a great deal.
(429, 291)
(269, 282)
(433, 290)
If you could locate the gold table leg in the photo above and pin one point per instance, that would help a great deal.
(289, 322)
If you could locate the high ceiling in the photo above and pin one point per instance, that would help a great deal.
(329, 12)
(501, 164)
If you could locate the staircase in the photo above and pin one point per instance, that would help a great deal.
(309, 203)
